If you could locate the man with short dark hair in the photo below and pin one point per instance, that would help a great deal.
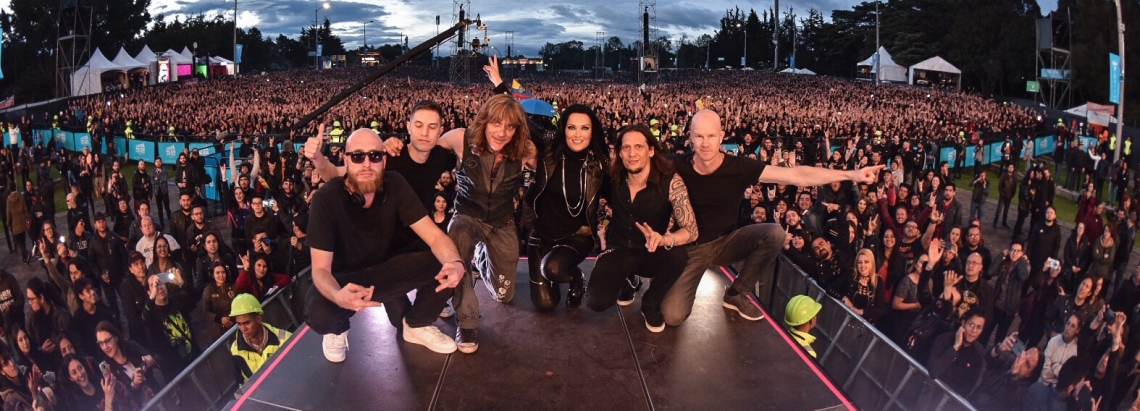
(197, 230)
(260, 220)
(45, 318)
(89, 314)
(161, 192)
(1007, 377)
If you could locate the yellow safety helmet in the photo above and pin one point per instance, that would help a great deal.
(800, 310)
(674, 127)
(375, 124)
(245, 304)
(336, 124)
(653, 122)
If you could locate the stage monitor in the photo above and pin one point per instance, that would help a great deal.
(649, 64)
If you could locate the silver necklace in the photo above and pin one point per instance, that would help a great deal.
(574, 210)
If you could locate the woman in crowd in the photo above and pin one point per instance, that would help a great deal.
(1078, 249)
(131, 364)
(441, 211)
(164, 262)
(83, 394)
(260, 282)
(1103, 254)
(863, 292)
(238, 209)
(564, 203)
(216, 299)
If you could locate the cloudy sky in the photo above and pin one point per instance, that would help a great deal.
(533, 22)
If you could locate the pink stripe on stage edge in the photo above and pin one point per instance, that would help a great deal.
(277, 359)
(803, 356)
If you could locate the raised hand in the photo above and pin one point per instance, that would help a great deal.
(313, 147)
(934, 253)
(492, 70)
(652, 238)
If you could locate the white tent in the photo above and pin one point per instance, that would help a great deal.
(88, 78)
(888, 69)
(126, 62)
(146, 56)
(178, 58)
(1098, 115)
(186, 53)
(934, 67)
(219, 61)
(802, 71)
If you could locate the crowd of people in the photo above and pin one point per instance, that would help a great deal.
(640, 176)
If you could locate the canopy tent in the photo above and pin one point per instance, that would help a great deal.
(178, 58)
(186, 53)
(88, 79)
(146, 56)
(888, 70)
(805, 72)
(1099, 114)
(226, 65)
(127, 62)
(936, 71)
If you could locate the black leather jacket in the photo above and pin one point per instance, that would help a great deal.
(595, 176)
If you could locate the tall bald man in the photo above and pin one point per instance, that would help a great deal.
(716, 182)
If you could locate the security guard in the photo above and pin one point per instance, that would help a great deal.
(1112, 142)
(655, 128)
(336, 136)
(256, 341)
(800, 317)
(128, 132)
(376, 126)
(55, 122)
(1128, 149)
(90, 128)
(172, 135)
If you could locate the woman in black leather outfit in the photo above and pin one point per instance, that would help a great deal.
(564, 203)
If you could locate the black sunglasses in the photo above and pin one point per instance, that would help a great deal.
(357, 157)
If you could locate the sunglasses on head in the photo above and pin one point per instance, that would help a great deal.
(357, 157)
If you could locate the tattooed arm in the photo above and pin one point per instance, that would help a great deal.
(682, 213)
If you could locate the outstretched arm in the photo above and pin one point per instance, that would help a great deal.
(813, 176)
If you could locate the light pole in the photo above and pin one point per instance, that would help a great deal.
(366, 34)
(744, 60)
(776, 38)
(316, 36)
(878, 58)
(1120, 106)
(235, 39)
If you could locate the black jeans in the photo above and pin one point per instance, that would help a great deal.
(554, 262)
(393, 278)
(1002, 211)
(162, 205)
(615, 265)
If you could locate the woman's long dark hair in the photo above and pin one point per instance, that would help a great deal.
(597, 145)
(659, 167)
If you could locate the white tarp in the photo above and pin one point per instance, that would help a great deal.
(1099, 114)
(127, 62)
(146, 56)
(888, 69)
(938, 65)
(88, 78)
(178, 58)
(802, 71)
(187, 54)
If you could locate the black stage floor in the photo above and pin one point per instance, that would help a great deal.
(577, 360)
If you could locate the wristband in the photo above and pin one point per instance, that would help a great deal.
(460, 263)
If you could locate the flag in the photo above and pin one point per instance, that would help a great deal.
(519, 92)
(237, 57)
(8, 102)
(1100, 114)
(2, 71)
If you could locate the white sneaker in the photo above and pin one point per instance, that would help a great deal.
(334, 346)
(447, 312)
(429, 337)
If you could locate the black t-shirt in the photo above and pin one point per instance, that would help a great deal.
(715, 197)
(360, 237)
(423, 177)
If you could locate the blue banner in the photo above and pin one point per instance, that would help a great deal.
(81, 141)
(141, 150)
(1115, 77)
(169, 152)
(970, 155)
(41, 136)
(237, 56)
(1044, 145)
(120, 146)
(947, 154)
(13, 139)
(1089, 142)
(212, 188)
(995, 152)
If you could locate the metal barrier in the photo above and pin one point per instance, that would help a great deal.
(875, 373)
(210, 381)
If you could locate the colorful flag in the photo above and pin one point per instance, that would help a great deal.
(8, 102)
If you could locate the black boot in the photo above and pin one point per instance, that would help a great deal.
(545, 295)
(575, 294)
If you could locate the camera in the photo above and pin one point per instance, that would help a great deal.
(268, 203)
(1109, 316)
(1054, 264)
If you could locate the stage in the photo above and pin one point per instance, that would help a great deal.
(576, 360)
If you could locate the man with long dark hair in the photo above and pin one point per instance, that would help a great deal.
(645, 193)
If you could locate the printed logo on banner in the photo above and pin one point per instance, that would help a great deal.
(84, 141)
(140, 148)
(171, 151)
